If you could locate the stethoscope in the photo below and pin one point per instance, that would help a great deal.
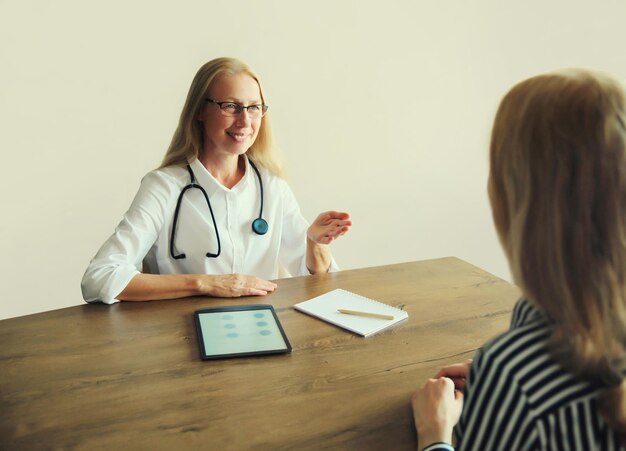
(259, 225)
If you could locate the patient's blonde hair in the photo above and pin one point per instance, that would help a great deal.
(558, 192)
(188, 138)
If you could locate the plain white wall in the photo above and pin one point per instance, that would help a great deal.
(382, 109)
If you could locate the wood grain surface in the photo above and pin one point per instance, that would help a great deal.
(129, 376)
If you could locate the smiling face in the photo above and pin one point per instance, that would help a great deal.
(230, 135)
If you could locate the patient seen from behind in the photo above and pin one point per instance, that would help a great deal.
(557, 185)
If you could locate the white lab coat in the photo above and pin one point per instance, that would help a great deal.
(142, 238)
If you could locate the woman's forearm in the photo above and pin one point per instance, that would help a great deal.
(145, 287)
(318, 257)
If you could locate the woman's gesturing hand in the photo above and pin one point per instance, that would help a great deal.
(328, 226)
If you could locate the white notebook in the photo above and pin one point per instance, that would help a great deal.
(327, 305)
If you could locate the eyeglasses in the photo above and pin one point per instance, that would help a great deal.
(234, 109)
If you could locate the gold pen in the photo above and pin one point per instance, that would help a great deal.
(368, 314)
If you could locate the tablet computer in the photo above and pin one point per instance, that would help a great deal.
(241, 330)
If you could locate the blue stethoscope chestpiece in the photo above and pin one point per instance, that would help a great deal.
(259, 226)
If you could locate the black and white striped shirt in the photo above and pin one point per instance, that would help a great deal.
(517, 397)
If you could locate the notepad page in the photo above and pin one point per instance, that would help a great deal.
(326, 307)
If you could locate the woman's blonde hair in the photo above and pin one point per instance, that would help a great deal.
(557, 185)
(188, 138)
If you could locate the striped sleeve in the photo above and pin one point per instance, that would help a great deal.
(518, 397)
(496, 413)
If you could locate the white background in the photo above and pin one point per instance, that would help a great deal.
(382, 109)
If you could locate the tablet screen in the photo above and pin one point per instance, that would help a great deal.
(241, 330)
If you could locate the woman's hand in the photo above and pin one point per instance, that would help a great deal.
(436, 409)
(328, 226)
(457, 372)
(325, 229)
(236, 285)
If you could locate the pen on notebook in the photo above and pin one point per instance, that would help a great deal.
(368, 314)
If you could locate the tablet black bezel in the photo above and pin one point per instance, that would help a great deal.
(238, 308)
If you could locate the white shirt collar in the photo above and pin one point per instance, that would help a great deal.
(207, 181)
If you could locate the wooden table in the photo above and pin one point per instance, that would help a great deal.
(129, 376)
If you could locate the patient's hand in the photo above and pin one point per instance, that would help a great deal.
(436, 409)
(457, 372)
